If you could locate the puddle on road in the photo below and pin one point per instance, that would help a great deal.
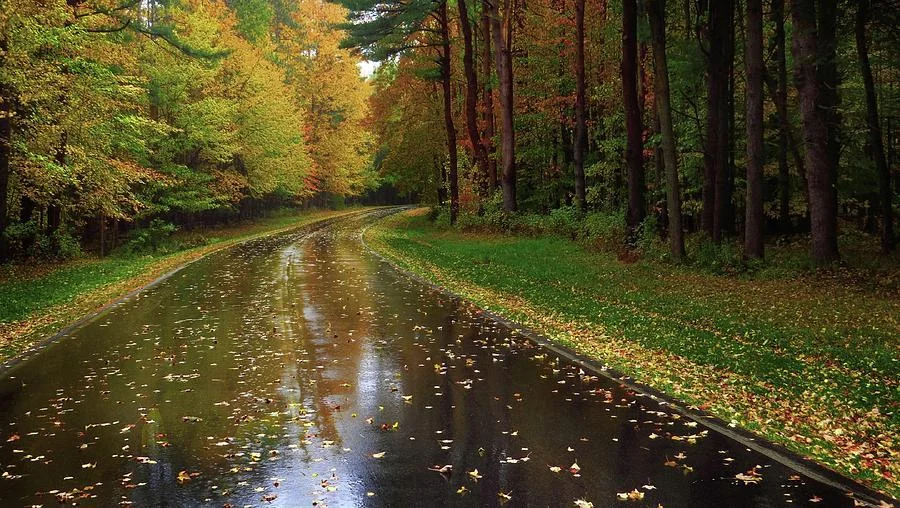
(302, 371)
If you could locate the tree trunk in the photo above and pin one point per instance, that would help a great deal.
(448, 112)
(502, 37)
(54, 211)
(812, 81)
(656, 12)
(780, 99)
(102, 235)
(633, 125)
(488, 98)
(716, 195)
(876, 144)
(580, 121)
(715, 80)
(478, 151)
(753, 227)
(785, 127)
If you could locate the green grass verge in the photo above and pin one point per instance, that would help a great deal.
(39, 300)
(806, 362)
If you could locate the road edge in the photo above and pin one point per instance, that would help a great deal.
(774, 451)
(12, 363)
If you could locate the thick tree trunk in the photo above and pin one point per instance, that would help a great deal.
(580, 120)
(813, 80)
(716, 195)
(780, 99)
(876, 144)
(488, 99)
(502, 37)
(754, 224)
(656, 12)
(633, 125)
(715, 92)
(448, 111)
(471, 105)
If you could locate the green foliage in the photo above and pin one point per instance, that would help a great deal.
(255, 18)
(152, 239)
(31, 242)
(720, 259)
(118, 115)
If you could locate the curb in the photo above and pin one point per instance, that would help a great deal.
(774, 451)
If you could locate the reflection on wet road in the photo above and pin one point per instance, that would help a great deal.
(301, 370)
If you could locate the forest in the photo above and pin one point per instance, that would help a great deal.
(123, 120)
(742, 121)
(449, 252)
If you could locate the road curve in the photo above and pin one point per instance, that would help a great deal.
(302, 370)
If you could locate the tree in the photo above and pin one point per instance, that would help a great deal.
(720, 53)
(488, 97)
(780, 98)
(471, 104)
(446, 84)
(754, 224)
(502, 36)
(385, 29)
(580, 120)
(876, 144)
(815, 75)
(633, 124)
(656, 13)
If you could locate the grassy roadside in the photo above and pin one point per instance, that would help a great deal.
(39, 300)
(805, 362)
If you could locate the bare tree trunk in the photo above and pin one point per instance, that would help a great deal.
(471, 105)
(656, 12)
(502, 37)
(724, 28)
(488, 98)
(448, 111)
(812, 81)
(580, 121)
(753, 227)
(633, 125)
(715, 80)
(876, 144)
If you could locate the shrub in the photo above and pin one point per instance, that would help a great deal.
(27, 239)
(155, 237)
(720, 259)
(605, 230)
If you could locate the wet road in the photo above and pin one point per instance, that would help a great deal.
(301, 370)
